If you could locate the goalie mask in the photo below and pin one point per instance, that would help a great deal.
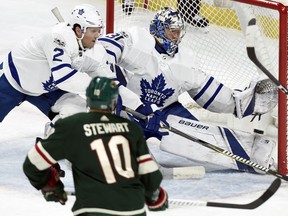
(102, 93)
(85, 16)
(168, 29)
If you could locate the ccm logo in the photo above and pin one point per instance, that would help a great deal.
(193, 124)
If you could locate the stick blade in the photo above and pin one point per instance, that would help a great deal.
(256, 203)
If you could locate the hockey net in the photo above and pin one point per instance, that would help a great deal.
(221, 49)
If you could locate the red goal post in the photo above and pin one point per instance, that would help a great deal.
(221, 46)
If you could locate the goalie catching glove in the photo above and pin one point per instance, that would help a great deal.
(158, 201)
(54, 189)
(260, 98)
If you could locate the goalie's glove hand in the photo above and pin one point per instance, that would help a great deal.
(54, 189)
(158, 201)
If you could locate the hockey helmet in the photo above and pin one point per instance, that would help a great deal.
(85, 16)
(102, 93)
(167, 18)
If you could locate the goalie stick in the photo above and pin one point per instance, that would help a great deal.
(250, 45)
(252, 205)
(212, 147)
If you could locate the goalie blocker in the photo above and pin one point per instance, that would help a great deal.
(253, 147)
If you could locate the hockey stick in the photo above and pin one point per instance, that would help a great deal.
(250, 44)
(252, 205)
(212, 147)
(57, 14)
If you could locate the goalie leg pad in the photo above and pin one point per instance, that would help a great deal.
(239, 143)
(263, 151)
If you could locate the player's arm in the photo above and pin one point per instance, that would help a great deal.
(156, 197)
(59, 51)
(209, 93)
(216, 97)
(116, 45)
(42, 170)
(95, 62)
(43, 175)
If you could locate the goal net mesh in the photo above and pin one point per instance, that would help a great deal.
(215, 32)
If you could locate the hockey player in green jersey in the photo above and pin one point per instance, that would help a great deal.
(113, 172)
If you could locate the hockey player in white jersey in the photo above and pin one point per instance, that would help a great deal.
(43, 68)
(158, 70)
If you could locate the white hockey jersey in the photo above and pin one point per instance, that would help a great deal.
(44, 63)
(158, 78)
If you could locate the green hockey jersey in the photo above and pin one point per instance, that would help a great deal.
(113, 171)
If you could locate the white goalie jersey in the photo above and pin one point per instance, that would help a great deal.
(159, 79)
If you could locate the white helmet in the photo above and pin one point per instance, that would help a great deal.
(86, 16)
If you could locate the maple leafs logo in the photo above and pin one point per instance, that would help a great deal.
(156, 92)
(49, 85)
(81, 11)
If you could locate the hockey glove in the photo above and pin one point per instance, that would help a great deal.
(154, 121)
(158, 201)
(54, 189)
(154, 118)
(147, 109)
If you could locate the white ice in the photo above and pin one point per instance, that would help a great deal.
(22, 19)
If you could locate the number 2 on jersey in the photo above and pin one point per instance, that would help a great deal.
(113, 144)
(58, 52)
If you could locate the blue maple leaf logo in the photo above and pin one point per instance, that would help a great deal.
(156, 92)
(49, 85)
(81, 11)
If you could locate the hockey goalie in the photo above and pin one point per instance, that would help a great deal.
(157, 69)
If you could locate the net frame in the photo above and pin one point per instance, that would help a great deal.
(281, 8)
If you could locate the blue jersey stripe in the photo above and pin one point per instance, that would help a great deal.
(213, 97)
(13, 69)
(60, 67)
(66, 77)
(111, 42)
(204, 89)
(112, 54)
(120, 76)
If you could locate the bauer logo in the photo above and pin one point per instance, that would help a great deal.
(155, 92)
(193, 124)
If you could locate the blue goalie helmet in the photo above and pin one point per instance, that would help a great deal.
(168, 29)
